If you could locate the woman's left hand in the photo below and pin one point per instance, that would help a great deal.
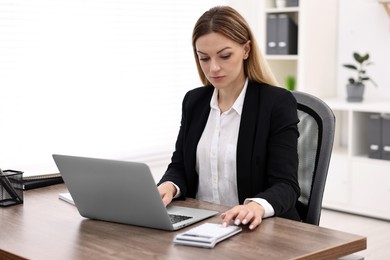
(251, 213)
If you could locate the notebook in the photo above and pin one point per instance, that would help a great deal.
(122, 192)
(66, 197)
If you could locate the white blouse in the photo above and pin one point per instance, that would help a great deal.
(216, 156)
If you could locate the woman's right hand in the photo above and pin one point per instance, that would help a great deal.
(167, 191)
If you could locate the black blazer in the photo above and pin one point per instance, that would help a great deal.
(267, 159)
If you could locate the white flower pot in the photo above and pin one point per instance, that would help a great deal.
(280, 3)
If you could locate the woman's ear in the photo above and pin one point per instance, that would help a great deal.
(247, 49)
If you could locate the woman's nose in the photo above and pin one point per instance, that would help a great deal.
(214, 66)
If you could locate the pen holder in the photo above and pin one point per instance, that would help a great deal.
(11, 192)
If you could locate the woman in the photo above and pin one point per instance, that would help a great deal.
(237, 143)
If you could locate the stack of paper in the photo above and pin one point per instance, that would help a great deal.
(32, 181)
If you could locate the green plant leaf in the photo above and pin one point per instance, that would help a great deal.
(365, 57)
(357, 57)
(350, 66)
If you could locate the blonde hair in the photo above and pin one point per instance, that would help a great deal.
(228, 22)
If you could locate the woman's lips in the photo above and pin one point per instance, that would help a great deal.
(216, 78)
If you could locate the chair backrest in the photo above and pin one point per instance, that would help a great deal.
(315, 143)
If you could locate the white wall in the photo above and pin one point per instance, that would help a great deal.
(318, 47)
(364, 27)
(251, 10)
(93, 78)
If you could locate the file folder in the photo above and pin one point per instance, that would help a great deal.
(374, 136)
(292, 2)
(287, 34)
(272, 30)
(386, 137)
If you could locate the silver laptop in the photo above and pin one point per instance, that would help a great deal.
(123, 192)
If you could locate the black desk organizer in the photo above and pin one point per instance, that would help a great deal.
(11, 192)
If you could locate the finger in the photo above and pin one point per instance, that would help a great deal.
(241, 216)
(228, 216)
(248, 218)
(161, 191)
(255, 223)
(166, 199)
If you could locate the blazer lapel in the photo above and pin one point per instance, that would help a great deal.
(246, 138)
(198, 119)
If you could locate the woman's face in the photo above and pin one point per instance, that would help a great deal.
(222, 60)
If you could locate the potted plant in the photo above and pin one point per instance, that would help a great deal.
(290, 82)
(355, 86)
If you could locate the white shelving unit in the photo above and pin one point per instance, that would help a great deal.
(314, 65)
(357, 183)
(282, 65)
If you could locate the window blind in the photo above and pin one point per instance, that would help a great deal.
(99, 78)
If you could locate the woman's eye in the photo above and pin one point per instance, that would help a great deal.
(225, 57)
(204, 58)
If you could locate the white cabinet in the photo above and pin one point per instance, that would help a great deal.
(357, 183)
(338, 181)
(371, 188)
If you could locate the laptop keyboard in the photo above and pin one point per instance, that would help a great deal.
(177, 218)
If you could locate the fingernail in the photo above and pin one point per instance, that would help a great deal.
(237, 222)
(224, 224)
(251, 227)
(245, 222)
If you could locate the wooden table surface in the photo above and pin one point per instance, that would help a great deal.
(45, 227)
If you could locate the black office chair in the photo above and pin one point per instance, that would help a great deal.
(315, 143)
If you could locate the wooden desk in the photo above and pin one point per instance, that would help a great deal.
(45, 227)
